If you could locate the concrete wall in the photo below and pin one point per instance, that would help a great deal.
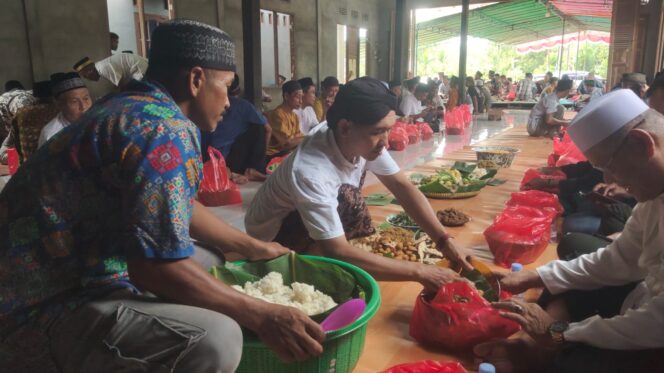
(59, 34)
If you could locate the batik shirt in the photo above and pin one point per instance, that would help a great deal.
(118, 183)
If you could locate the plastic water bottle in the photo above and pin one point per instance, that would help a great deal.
(486, 368)
(517, 267)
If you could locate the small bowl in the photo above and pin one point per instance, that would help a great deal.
(502, 156)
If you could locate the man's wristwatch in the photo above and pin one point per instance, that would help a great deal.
(557, 330)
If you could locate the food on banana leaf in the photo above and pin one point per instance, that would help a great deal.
(460, 178)
(399, 243)
(403, 220)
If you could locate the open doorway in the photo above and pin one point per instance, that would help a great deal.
(133, 21)
(277, 48)
(352, 49)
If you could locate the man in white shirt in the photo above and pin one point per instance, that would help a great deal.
(546, 117)
(119, 69)
(73, 99)
(586, 326)
(411, 105)
(306, 113)
(313, 201)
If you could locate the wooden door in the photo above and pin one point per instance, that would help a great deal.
(623, 52)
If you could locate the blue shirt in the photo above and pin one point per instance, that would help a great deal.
(236, 121)
(119, 182)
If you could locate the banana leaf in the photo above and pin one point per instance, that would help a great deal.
(467, 168)
(378, 199)
(436, 187)
(326, 277)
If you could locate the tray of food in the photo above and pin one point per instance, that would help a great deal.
(400, 243)
(462, 180)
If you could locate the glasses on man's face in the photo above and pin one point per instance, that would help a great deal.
(607, 166)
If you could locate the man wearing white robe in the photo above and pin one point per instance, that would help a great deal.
(620, 135)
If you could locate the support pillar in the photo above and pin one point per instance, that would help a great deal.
(465, 5)
(251, 35)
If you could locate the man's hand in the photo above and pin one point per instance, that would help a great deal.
(458, 257)
(433, 277)
(266, 250)
(291, 334)
(532, 318)
(518, 282)
(612, 190)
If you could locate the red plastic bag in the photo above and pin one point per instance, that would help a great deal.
(533, 173)
(413, 133)
(545, 215)
(537, 199)
(551, 161)
(216, 188)
(425, 131)
(457, 318)
(516, 239)
(567, 152)
(454, 122)
(511, 96)
(274, 164)
(398, 139)
(466, 114)
(428, 366)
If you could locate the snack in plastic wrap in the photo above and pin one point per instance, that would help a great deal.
(457, 318)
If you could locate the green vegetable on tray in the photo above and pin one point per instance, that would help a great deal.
(460, 178)
(403, 220)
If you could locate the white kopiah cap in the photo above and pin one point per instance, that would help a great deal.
(604, 116)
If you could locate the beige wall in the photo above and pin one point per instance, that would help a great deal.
(58, 37)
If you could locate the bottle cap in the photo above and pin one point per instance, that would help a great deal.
(486, 368)
(517, 267)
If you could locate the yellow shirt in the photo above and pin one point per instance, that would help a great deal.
(318, 109)
(285, 126)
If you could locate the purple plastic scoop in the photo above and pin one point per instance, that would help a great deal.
(344, 315)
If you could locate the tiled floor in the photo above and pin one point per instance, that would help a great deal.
(480, 130)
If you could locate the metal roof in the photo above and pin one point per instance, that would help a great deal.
(512, 22)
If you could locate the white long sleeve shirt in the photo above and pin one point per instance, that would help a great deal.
(637, 255)
(121, 68)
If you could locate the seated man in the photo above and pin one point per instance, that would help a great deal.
(12, 100)
(73, 99)
(590, 92)
(286, 134)
(636, 82)
(606, 313)
(107, 211)
(546, 117)
(306, 114)
(312, 203)
(411, 104)
(29, 121)
(329, 88)
(241, 137)
(119, 69)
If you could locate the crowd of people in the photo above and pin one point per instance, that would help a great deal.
(97, 256)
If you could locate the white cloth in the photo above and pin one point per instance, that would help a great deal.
(308, 119)
(120, 68)
(308, 181)
(546, 105)
(637, 255)
(51, 128)
(604, 116)
(410, 105)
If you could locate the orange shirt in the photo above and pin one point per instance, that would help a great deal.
(285, 127)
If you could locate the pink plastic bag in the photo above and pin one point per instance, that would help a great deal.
(457, 318)
(398, 139)
(413, 133)
(428, 366)
(537, 199)
(454, 122)
(425, 131)
(514, 239)
(466, 114)
(216, 188)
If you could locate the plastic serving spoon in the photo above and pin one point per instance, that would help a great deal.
(344, 315)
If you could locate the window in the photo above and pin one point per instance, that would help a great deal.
(134, 20)
(276, 47)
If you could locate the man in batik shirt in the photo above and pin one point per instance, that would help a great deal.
(107, 209)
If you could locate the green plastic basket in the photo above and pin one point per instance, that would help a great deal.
(341, 350)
